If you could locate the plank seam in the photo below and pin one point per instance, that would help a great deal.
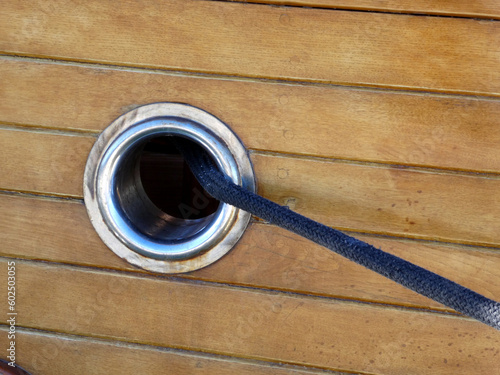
(48, 129)
(186, 280)
(291, 4)
(10, 126)
(175, 350)
(235, 77)
(41, 195)
(492, 248)
(466, 246)
(380, 164)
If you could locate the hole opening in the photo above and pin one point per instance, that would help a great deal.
(159, 194)
(169, 183)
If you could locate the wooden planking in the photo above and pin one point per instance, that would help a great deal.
(43, 162)
(276, 327)
(355, 48)
(365, 198)
(460, 8)
(48, 354)
(398, 201)
(266, 256)
(274, 332)
(63, 232)
(389, 127)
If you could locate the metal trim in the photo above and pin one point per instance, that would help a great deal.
(129, 223)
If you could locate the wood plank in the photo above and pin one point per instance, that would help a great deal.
(460, 8)
(355, 48)
(388, 127)
(42, 161)
(378, 199)
(266, 256)
(45, 353)
(242, 322)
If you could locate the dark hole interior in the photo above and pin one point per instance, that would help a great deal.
(170, 184)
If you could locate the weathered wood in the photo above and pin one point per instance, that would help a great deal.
(50, 354)
(266, 257)
(334, 122)
(43, 162)
(238, 322)
(460, 8)
(335, 106)
(455, 55)
(377, 199)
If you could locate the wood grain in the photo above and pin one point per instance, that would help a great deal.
(43, 162)
(266, 257)
(50, 354)
(237, 322)
(455, 55)
(460, 8)
(389, 127)
(378, 199)
(317, 95)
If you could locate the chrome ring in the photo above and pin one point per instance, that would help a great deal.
(123, 215)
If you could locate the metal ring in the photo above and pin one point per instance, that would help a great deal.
(126, 219)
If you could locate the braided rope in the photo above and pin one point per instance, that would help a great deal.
(399, 270)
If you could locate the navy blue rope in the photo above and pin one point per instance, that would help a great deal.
(399, 270)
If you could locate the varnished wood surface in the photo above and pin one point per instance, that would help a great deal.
(42, 162)
(75, 355)
(455, 55)
(383, 199)
(266, 257)
(382, 124)
(366, 198)
(369, 125)
(459, 8)
(250, 323)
